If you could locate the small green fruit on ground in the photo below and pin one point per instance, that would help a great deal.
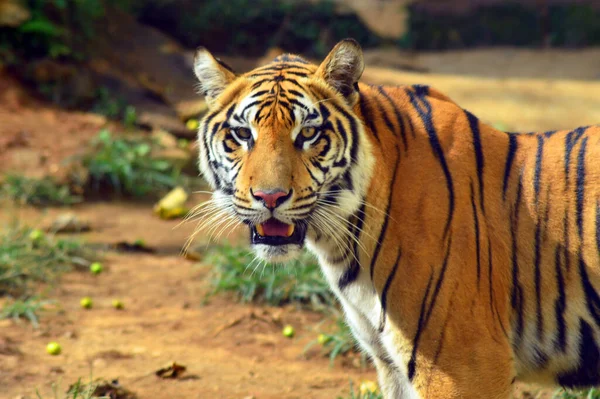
(53, 348)
(288, 331)
(36, 235)
(117, 304)
(96, 268)
(323, 339)
(192, 124)
(368, 387)
(86, 302)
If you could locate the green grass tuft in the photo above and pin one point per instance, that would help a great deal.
(593, 393)
(236, 270)
(26, 259)
(37, 192)
(126, 167)
(336, 343)
(78, 390)
(24, 309)
(357, 395)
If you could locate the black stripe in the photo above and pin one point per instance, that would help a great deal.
(587, 372)
(517, 299)
(490, 274)
(386, 288)
(352, 272)
(477, 238)
(580, 194)
(598, 227)
(510, 157)
(411, 366)
(298, 103)
(253, 103)
(344, 135)
(537, 176)
(353, 131)
(367, 115)
(560, 303)
(427, 119)
(279, 66)
(424, 319)
(566, 239)
(386, 215)
(296, 93)
(493, 308)
(411, 127)
(474, 125)
(570, 141)
(591, 295)
(312, 176)
(259, 93)
(258, 83)
(398, 116)
(294, 82)
(538, 278)
(386, 120)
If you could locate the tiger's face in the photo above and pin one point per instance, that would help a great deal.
(281, 146)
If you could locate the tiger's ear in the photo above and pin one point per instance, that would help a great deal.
(214, 75)
(342, 68)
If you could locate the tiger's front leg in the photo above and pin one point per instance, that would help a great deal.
(389, 381)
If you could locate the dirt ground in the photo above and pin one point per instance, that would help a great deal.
(231, 350)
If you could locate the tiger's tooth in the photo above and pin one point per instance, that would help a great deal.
(260, 230)
(290, 230)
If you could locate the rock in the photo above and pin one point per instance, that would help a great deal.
(13, 14)
(159, 116)
(68, 84)
(387, 18)
(172, 205)
(69, 223)
(164, 138)
(151, 60)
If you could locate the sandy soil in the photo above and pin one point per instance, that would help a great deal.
(231, 350)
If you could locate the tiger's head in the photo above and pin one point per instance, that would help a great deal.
(282, 147)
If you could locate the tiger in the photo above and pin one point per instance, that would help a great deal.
(465, 258)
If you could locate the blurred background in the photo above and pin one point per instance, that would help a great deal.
(98, 116)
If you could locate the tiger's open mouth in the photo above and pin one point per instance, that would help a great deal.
(274, 232)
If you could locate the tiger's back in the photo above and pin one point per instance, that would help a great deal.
(464, 257)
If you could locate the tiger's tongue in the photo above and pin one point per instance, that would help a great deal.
(274, 227)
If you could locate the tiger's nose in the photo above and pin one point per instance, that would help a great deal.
(271, 198)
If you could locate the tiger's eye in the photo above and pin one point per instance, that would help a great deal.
(243, 133)
(308, 133)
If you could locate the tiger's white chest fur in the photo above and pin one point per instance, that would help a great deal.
(363, 311)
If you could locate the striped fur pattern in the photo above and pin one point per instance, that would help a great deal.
(465, 258)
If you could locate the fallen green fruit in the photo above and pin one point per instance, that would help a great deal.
(192, 124)
(117, 304)
(53, 348)
(96, 268)
(36, 235)
(86, 302)
(323, 339)
(288, 331)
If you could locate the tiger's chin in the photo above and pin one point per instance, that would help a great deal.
(279, 253)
